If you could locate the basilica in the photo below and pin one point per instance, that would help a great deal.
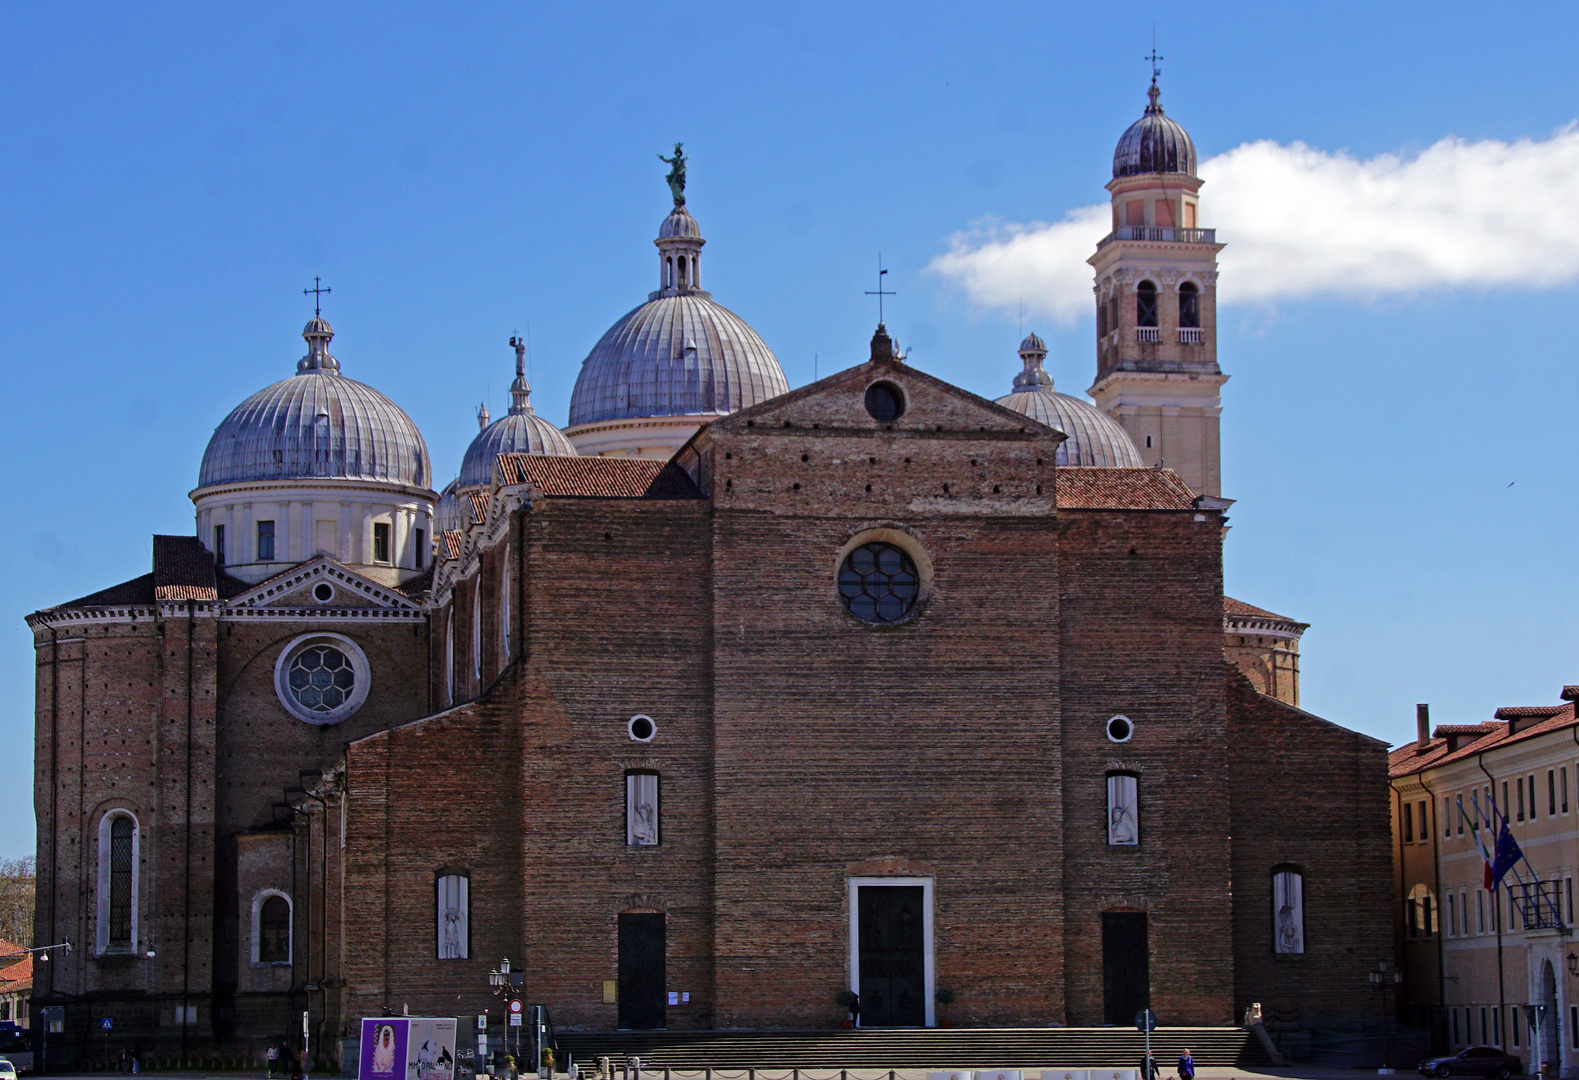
(721, 700)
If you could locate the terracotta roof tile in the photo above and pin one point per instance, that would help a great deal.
(1096, 488)
(1483, 728)
(17, 976)
(183, 569)
(598, 478)
(453, 543)
(139, 590)
(1521, 712)
(418, 585)
(479, 501)
(1238, 609)
(1570, 693)
(1411, 758)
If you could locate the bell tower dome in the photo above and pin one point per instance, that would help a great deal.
(1156, 297)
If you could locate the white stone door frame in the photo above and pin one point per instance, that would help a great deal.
(929, 967)
(1541, 952)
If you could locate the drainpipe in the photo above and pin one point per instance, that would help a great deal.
(1496, 900)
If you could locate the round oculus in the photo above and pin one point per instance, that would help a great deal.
(323, 592)
(879, 583)
(1120, 728)
(322, 678)
(885, 402)
(641, 728)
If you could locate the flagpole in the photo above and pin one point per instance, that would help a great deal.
(1480, 759)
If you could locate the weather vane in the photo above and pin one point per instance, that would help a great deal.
(317, 292)
(880, 292)
(1154, 57)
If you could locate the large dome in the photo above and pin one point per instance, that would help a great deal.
(1154, 144)
(1095, 438)
(520, 431)
(679, 354)
(317, 424)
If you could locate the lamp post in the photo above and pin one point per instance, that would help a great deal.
(1385, 979)
(502, 983)
(1573, 963)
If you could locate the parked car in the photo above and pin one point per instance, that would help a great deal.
(7, 1070)
(1475, 1061)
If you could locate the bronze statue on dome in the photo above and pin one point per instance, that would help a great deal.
(676, 177)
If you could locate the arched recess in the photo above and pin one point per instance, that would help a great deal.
(1146, 303)
(120, 842)
(273, 915)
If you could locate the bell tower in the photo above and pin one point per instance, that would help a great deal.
(1156, 297)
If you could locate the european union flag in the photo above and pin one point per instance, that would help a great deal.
(1508, 853)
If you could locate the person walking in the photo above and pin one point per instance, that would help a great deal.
(1186, 1066)
(272, 1055)
(855, 1011)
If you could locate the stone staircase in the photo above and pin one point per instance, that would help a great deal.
(917, 1048)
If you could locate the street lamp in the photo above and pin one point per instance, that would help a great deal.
(1573, 963)
(1384, 979)
(502, 982)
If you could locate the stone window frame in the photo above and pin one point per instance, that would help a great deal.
(259, 898)
(900, 537)
(102, 943)
(359, 666)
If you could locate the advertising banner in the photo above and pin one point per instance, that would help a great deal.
(407, 1048)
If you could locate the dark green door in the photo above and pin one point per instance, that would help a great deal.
(892, 956)
(642, 971)
(1126, 968)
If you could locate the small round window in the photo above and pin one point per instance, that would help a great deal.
(1120, 728)
(323, 592)
(641, 728)
(885, 401)
(879, 583)
(321, 679)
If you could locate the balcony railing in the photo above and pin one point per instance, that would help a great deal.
(1538, 904)
(1165, 233)
(1189, 335)
(1150, 334)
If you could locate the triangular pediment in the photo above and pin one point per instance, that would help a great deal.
(838, 404)
(298, 588)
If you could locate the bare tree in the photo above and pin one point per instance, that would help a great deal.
(16, 900)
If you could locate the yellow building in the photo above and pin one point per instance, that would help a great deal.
(1490, 967)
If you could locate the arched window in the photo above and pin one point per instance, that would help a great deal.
(683, 275)
(668, 273)
(1146, 304)
(696, 274)
(1288, 910)
(1112, 312)
(1123, 809)
(118, 882)
(477, 633)
(1189, 305)
(1101, 318)
(504, 607)
(449, 657)
(452, 917)
(271, 928)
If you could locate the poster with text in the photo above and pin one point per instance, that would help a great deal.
(384, 1043)
(432, 1048)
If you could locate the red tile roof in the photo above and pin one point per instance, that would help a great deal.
(17, 976)
(598, 478)
(418, 585)
(1522, 712)
(1097, 488)
(479, 501)
(139, 590)
(1570, 693)
(1238, 609)
(1411, 758)
(453, 543)
(183, 569)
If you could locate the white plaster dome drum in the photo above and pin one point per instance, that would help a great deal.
(316, 424)
(681, 354)
(1155, 143)
(1095, 438)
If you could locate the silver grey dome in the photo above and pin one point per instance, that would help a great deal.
(1095, 438)
(316, 424)
(677, 355)
(680, 353)
(1154, 144)
(520, 431)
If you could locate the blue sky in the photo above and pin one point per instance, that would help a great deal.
(1398, 428)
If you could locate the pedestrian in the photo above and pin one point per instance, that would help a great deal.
(126, 1060)
(1186, 1066)
(272, 1055)
(855, 1010)
(137, 1055)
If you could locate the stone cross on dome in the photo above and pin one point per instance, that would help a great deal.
(318, 291)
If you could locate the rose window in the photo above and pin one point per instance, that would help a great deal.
(879, 583)
(322, 678)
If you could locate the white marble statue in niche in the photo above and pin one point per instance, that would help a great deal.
(1123, 810)
(1288, 912)
(453, 902)
(641, 809)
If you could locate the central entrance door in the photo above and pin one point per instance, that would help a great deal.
(1126, 967)
(892, 956)
(642, 972)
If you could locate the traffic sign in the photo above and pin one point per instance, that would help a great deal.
(515, 1012)
(1145, 1020)
(107, 1023)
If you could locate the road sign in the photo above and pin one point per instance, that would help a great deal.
(1145, 1020)
(107, 1023)
(515, 1012)
(482, 1021)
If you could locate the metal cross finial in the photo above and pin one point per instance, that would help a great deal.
(317, 290)
(1154, 57)
(880, 292)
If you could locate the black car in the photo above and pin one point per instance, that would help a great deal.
(1475, 1061)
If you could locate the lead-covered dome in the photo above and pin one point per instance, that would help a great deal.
(520, 431)
(1154, 144)
(317, 424)
(1095, 438)
(680, 353)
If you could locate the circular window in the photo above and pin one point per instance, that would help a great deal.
(323, 592)
(322, 678)
(1119, 729)
(885, 401)
(641, 728)
(879, 583)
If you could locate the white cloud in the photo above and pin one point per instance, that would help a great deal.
(1300, 221)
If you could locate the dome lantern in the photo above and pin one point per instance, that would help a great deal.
(518, 431)
(1094, 437)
